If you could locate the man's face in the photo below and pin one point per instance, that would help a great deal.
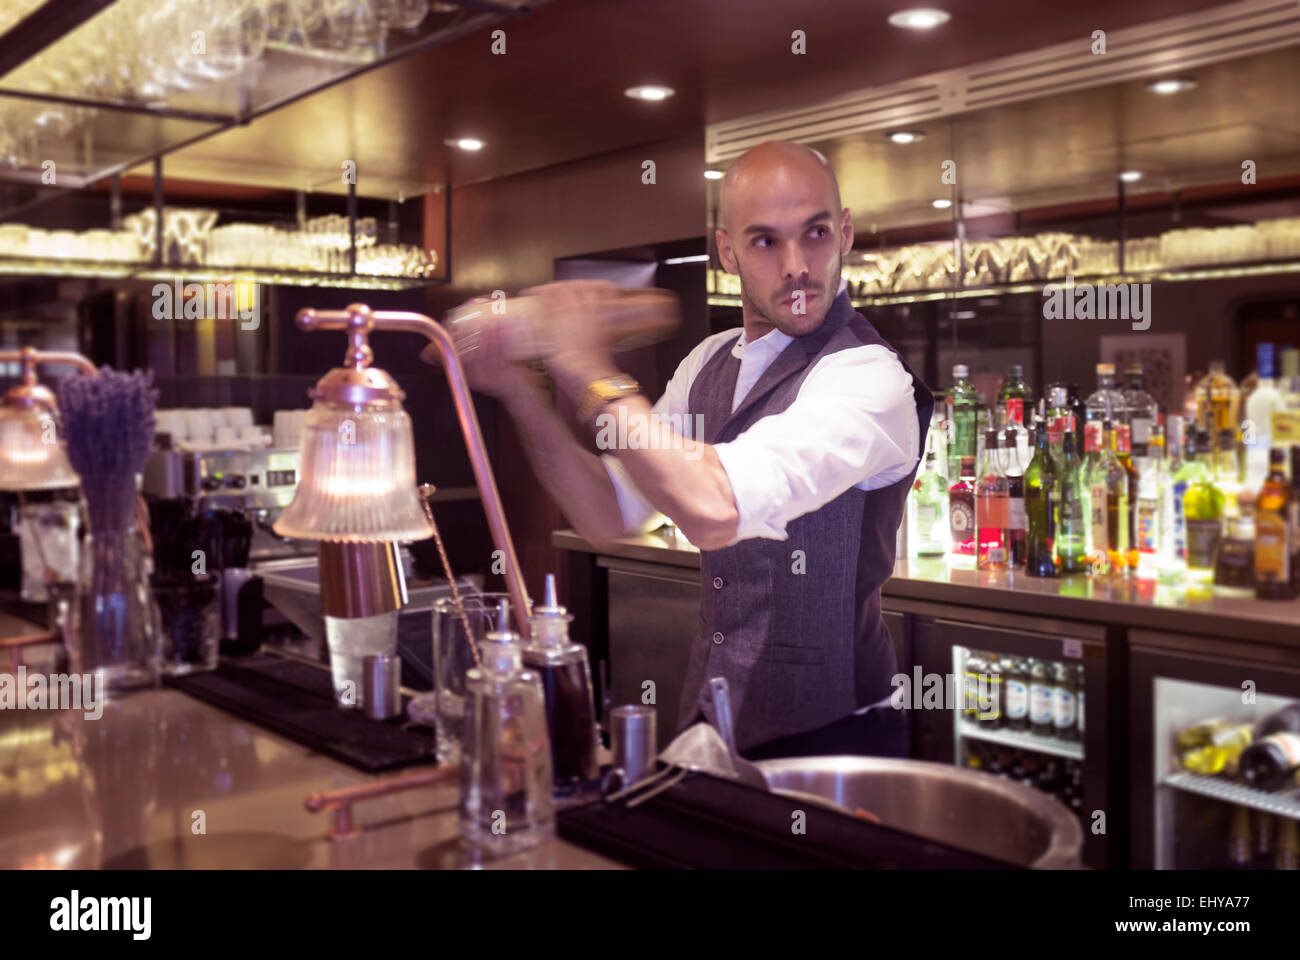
(786, 240)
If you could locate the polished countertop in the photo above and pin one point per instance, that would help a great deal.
(124, 790)
(1126, 601)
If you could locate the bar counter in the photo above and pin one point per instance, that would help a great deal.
(123, 791)
(1129, 602)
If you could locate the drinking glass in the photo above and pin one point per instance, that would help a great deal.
(187, 625)
(452, 657)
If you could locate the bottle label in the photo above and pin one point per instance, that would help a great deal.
(925, 517)
(1040, 703)
(1272, 551)
(961, 517)
(1148, 526)
(1080, 711)
(1289, 745)
(1015, 409)
(1097, 498)
(1017, 699)
(1141, 432)
(1203, 538)
(1017, 518)
(1062, 708)
(1180, 520)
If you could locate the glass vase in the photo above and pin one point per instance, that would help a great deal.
(110, 627)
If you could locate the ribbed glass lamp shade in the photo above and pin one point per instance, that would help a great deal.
(358, 476)
(31, 458)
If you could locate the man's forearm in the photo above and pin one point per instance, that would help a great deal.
(575, 478)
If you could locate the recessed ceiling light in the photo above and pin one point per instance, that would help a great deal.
(713, 174)
(920, 18)
(466, 143)
(649, 92)
(1166, 86)
(905, 136)
(942, 203)
(1131, 176)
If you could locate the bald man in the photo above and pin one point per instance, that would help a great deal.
(812, 431)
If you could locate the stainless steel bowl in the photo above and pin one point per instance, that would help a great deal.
(964, 808)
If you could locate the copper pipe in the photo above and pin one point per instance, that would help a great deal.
(360, 317)
(342, 799)
(50, 357)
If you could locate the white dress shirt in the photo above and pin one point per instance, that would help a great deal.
(852, 424)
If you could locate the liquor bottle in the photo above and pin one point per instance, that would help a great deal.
(1217, 398)
(1041, 720)
(1015, 687)
(1014, 396)
(1147, 511)
(1017, 521)
(1143, 412)
(1259, 407)
(1234, 564)
(1064, 702)
(1226, 466)
(1042, 483)
(929, 508)
(1128, 517)
(1239, 845)
(1202, 514)
(1111, 517)
(1285, 427)
(1213, 746)
(961, 511)
(1106, 402)
(1173, 525)
(1293, 524)
(1060, 418)
(1273, 534)
(1288, 845)
(972, 668)
(1080, 415)
(991, 709)
(963, 405)
(1073, 542)
(1269, 762)
(991, 510)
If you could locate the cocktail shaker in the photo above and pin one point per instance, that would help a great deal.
(566, 681)
(626, 319)
(506, 794)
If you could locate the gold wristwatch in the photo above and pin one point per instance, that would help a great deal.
(605, 391)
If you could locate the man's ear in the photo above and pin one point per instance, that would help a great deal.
(846, 232)
(725, 252)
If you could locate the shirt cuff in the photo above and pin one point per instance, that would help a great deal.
(638, 515)
(750, 493)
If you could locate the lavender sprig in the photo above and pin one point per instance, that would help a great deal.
(108, 422)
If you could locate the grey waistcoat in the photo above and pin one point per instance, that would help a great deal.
(799, 649)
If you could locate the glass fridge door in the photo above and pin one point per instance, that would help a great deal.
(1195, 806)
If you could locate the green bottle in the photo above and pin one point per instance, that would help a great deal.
(1072, 541)
(1202, 513)
(1042, 497)
(963, 402)
(929, 508)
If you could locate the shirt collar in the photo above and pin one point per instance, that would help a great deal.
(774, 341)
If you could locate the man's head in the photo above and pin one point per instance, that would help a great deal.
(784, 232)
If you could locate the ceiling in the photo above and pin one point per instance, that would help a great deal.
(557, 94)
(1070, 147)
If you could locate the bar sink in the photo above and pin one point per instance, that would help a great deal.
(964, 808)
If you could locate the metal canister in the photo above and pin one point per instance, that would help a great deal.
(633, 741)
(381, 693)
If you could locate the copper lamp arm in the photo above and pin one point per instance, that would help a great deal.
(359, 316)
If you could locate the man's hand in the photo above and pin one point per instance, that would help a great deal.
(572, 314)
(482, 351)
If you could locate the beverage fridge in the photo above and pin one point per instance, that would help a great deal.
(1216, 733)
(1029, 705)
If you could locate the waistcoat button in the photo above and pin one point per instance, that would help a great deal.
(717, 638)
(717, 583)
